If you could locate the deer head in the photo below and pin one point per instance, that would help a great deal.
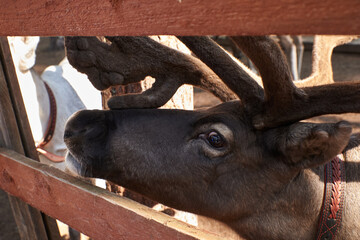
(245, 162)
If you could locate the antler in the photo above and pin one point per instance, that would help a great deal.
(286, 103)
(130, 59)
(232, 74)
(322, 72)
(283, 102)
(273, 68)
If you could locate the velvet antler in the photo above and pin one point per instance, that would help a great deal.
(283, 102)
(130, 59)
(286, 103)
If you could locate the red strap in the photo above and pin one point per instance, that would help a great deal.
(50, 129)
(50, 156)
(334, 194)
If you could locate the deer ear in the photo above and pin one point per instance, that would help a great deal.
(307, 145)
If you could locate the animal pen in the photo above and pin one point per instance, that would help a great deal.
(37, 191)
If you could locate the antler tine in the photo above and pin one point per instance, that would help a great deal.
(130, 59)
(235, 77)
(322, 72)
(280, 91)
(285, 103)
(271, 63)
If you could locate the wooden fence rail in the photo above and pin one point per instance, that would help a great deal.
(178, 17)
(15, 134)
(89, 209)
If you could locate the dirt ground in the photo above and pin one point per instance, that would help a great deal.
(346, 68)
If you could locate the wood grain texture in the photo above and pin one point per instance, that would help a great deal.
(9, 132)
(179, 17)
(15, 134)
(28, 220)
(15, 94)
(91, 210)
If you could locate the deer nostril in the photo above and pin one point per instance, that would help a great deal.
(68, 134)
(85, 124)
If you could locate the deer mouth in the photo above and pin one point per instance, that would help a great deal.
(76, 167)
(90, 165)
(86, 167)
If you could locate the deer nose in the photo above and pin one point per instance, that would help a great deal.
(75, 132)
(82, 122)
(68, 134)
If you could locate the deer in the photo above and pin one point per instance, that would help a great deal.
(250, 162)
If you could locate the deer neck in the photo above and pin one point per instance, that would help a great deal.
(286, 211)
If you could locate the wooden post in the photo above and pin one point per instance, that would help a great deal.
(15, 134)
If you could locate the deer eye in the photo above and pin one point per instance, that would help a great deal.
(215, 139)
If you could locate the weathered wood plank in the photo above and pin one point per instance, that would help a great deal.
(15, 95)
(8, 227)
(9, 132)
(180, 17)
(94, 211)
(10, 138)
(15, 134)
